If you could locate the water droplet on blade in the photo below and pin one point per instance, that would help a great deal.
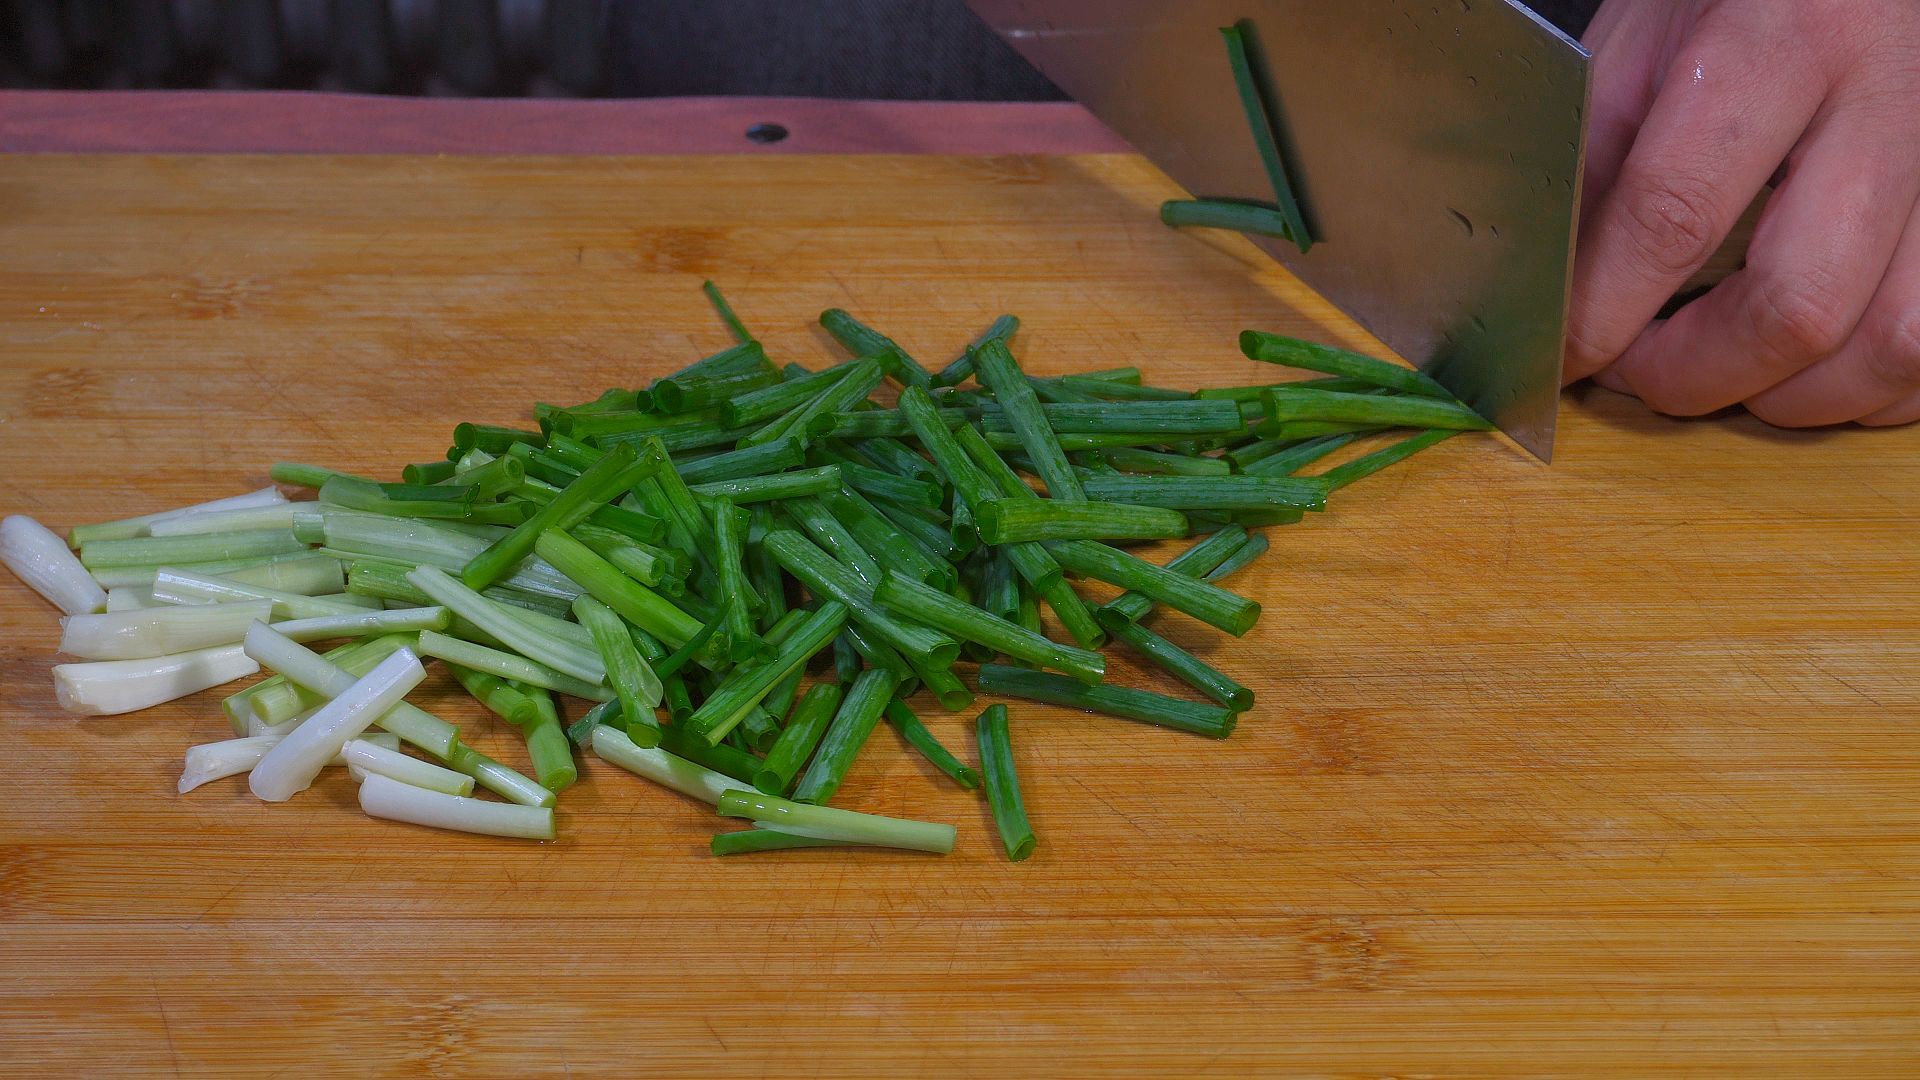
(1460, 219)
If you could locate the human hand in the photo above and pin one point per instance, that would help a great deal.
(1696, 104)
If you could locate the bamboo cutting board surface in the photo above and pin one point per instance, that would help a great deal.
(1605, 768)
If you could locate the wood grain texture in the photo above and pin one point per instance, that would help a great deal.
(1607, 768)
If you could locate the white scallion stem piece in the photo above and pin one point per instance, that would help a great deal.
(385, 797)
(213, 761)
(132, 598)
(392, 621)
(42, 560)
(294, 761)
(176, 586)
(366, 758)
(138, 635)
(555, 652)
(132, 527)
(311, 671)
(683, 776)
(112, 687)
(303, 572)
(272, 516)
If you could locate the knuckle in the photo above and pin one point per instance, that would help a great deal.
(1670, 223)
(1798, 320)
(1584, 354)
(1895, 359)
(1770, 410)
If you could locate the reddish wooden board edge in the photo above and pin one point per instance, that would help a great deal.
(293, 122)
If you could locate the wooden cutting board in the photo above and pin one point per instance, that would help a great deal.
(1611, 767)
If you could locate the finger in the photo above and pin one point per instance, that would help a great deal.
(1906, 412)
(1625, 40)
(1731, 106)
(1817, 260)
(1877, 369)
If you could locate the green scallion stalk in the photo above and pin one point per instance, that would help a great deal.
(1257, 101)
(1194, 562)
(996, 368)
(634, 683)
(699, 393)
(652, 566)
(490, 438)
(1008, 521)
(1153, 462)
(763, 405)
(862, 340)
(999, 587)
(175, 550)
(663, 768)
(725, 311)
(746, 354)
(1297, 455)
(859, 713)
(961, 369)
(774, 486)
(507, 666)
(500, 697)
(1208, 603)
(1342, 363)
(1076, 442)
(728, 704)
(1074, 614)
(1362, 467)
(722, 758)
(297, 474)
(828, 823)
(1208, 492)
(908, 724)
(635, 602)
(797, 740)
(878, 537)
(1120, 391)
(1290, 403)
(604, 480)
(817, 416)
(887, 423)
(180, 587)
(879, 654)
(1142, 705)
(553, 652)
(1183, 665)
(737, 597)
(827, 578)
(1244, 217)
(548, 751)
(1003, 786)
(762, 572)
(965, 621)
(747, 841)
(814, 515)
(1169, 419)
(771, 457)
(928, 527)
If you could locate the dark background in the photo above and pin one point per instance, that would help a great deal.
(903, 49)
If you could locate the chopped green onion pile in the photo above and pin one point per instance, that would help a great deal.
(739, 571)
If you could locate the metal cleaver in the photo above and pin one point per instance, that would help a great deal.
(1435, 147)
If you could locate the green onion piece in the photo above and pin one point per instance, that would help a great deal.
(492, 439)
(851, 726)
(1297, 430)
(727, 760)
(307, 476)
(495, 478)
(797, 741)
(500, 697)
(826, 578)
(1298, 455)
(580, 732)
(1209, 492)
(770, 457)
(816, 417)
(747, 841)
(746, 354)
(663, 768)
(634, 683)
(506, 665)
(505, 782)
(728, 703)
(1153, 462)
(835, 538)
(762, 405)
(428, 472)
(999, 587)
(1008, 521)
(1142, 705)
(1183, 665)
(879, 654)
(1074, 614)
(997, 369)
(1119, 391)
(635, 602)
(786, 485)
(1167, 418)
(925, 525)
(762, 572)
(963, 620)
(1208, 603)
(829, 823)
(602, 481)
(1244, 217)
(548, 752)
(561, 655)
(877, 536)
(908, 724)
(1003, 786)
(1194, 562)
(1290, 403)
(961, 369)
(887, 423)
(644, 563)
(1257, 101)
(700, 393)
(1075, 442)
(759, 729)
(861, 340)
(1362, 467)
(1342, 363)
(736, 596)
(725, 311)
(192, 548)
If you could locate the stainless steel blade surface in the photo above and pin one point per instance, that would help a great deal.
(1437, 149)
